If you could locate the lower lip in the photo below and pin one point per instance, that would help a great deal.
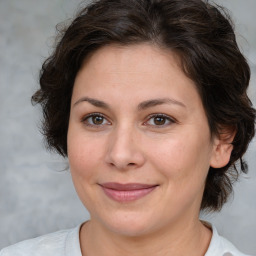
(127, 196)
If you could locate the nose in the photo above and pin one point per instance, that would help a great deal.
(124, 151)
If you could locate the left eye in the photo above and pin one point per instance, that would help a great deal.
(159, 120)
(95, 120)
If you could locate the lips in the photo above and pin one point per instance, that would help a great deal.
(127, 192)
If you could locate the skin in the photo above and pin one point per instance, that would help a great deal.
(128, 145)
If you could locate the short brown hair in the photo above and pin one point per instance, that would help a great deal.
(203, 37)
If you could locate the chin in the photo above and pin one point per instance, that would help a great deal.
(129, 225)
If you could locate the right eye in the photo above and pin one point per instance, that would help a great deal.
(95, 119)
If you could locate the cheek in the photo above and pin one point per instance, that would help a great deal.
(183, 164)
(83, 155)
(182, 158)
(84, 158)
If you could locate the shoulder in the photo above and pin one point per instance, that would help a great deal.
(54, 244)
(230, 249)
(221, 246)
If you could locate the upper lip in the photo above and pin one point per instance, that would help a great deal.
(127, 186)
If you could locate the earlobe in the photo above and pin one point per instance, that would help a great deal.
(222, 149)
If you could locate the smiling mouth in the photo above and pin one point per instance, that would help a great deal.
(127, 192)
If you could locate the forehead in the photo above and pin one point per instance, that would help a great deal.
(131, 58)
(144, 69)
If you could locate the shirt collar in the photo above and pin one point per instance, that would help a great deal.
(219, 246)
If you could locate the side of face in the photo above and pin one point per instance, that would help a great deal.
(136, 118)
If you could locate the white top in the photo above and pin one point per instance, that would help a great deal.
(66, 243)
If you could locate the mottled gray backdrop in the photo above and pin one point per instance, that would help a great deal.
(35, 197)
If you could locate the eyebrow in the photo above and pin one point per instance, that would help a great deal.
(94, 102)
(155, 102)
(142, 106)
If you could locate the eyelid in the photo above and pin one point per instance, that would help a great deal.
(169, 118)
(86, 117)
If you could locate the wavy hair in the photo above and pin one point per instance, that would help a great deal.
(200, 33)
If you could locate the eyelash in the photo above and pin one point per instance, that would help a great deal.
(85, 120)
(152, 116)
(165, 117)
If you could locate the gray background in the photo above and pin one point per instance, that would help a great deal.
(37, 198)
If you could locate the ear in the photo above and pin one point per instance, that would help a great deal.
(222, 147)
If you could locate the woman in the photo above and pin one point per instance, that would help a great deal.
(148, 101)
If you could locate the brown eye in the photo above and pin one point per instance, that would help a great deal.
(97, 120)
(159, 120)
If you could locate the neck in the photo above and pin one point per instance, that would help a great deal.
(191, 238)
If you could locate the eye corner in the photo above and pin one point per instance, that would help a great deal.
(99, 122)
(159, 120)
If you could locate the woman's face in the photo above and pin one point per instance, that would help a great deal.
(139, 144)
